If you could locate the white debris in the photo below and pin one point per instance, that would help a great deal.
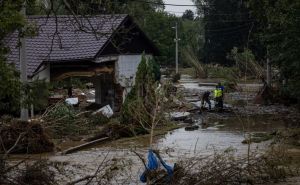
(179, 115)
(92, 92)
(91, 101)
(72, 101)
(198, 104)
(106, 111)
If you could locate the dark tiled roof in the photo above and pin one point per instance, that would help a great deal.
(80, 38)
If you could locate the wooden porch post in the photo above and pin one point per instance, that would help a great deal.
(98, 92)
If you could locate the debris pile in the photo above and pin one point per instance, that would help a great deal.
(25, 172)
(65, 120)
(105, 111)
(224, 168)
(24, 137)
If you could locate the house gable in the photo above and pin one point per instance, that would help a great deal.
(129, 39)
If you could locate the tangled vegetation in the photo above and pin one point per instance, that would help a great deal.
(228, 169)
(26, 173)
(24, 137)
(147, 76)
(64, 120)
(219, 168)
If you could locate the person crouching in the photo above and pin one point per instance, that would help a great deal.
(206, 99)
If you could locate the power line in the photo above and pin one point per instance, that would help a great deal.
(227, 32)
(169, 11)
(230, 21)
(235, 14)
(165, 4)
(156, 3)
(230, 28)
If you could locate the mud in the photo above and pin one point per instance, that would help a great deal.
(217, 132)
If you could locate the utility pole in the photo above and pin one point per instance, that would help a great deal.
(23, 67)
(176, 52)
(269, 70)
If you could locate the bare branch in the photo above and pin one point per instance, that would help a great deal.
(16, 143)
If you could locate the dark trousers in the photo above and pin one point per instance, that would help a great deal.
(219, 101)
(207, 101)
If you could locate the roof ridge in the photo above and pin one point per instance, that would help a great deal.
(70, 16)
(71, 43)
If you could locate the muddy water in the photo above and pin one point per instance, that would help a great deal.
(203, 142)
(174, 146)
(220, 135)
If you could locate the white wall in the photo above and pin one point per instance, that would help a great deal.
(125, 71)
(43, 74)
(126, 68)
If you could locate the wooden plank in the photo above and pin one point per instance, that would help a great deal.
(208, 84)
(80, 147)
(87, 73)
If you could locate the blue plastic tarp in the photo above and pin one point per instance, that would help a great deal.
(153, 164)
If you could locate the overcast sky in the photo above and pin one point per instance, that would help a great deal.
(179, 9)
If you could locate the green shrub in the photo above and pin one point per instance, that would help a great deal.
(62, 120)
(147, 74)
(125, 114)
(37, 94)
(62, 111)
(10, 89)
(98, 119)
(140, 101)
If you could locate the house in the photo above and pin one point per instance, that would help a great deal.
(105, 48)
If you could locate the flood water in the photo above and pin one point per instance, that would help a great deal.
(203, 142)
(174, 146)
(220, 135)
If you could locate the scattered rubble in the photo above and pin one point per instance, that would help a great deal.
(55, 99)
(179, 116)
(72, 101)
(25, 138)
(106, 111)
(67, 118)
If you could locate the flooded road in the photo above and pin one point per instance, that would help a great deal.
(174, 146)
(203, 142)
(221, 134)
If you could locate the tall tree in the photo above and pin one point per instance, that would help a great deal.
(10, 20)
(188, 14)
(192, 38)
(158, 26)
(280, 25)
(227, 25)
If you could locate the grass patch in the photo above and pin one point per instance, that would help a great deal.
(188, 71)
